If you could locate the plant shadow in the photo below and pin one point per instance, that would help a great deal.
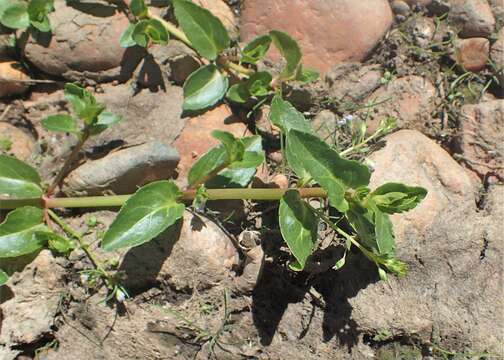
(276, 289)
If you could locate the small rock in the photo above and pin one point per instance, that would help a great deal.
(439, 7)
(194, 253)
(195, 139)
(13, 79)
(82, 45)
(264, 125)
(276, 156)
(410, 101)
(414, 3)
(400, 7)
(473, 18)
(422, 30)
(472, 54)
(498, 11)
(481, 140)
(280, 181)
(15, 142)
(122, 172)
(7, 51)
(351, 82)
(221, 10)
(29, 314)
(346, 30)
(325, 124)
(497, 56)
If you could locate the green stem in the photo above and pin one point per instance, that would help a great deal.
(358, 146)
(172, 29)
(238, 68)
(118, 200)
(82, 244)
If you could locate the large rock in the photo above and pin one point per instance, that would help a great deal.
(13, 79)
(409, 99)
(452, 294)
(19, 143)
(194, 253)
(83, 44)
(28, 313)
(327, 31)
(196, 138)
(351, 82)
(473, 18)
(481, 140)
(123, 171)
(222, 11)
(472, 54)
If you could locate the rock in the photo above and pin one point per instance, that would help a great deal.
(7, 51)
(472, 54)
(83, 44)
(264, 125)
(280, 181)
(443, 242)
(194, 253)
(498, 12)
(123, 171)
(497, 56)
(328, 32)
(351, 82)
(29, 314)
(325, 124)
(413, 3)
(400, 7)
(410, 101)
(221, 10)
(439, 7)
(13, 79)
(196, 137)
(473, 18)
(15, 142)
(147, 116)
(422, 30)
(304, 96)
(481, 139)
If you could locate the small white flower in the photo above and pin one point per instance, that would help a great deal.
(347, 119)
(120, 296)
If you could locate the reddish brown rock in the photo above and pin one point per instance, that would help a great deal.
(472, 54)
(481, 140)
(196, 138)
(327, 31)
(82, 45)
(408, 99)
(12, 79)
(20, 144)
(473, 18)
(497, 51)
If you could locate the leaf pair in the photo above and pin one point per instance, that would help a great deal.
(20, 15)
(143, 33)
(233, 163)
(86, 108)
(258, 85)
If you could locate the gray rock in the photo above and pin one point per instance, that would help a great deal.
(351, 82)
(121, 172)
(422, 30)
(83, 44)
(28, 313)
(452, 294)
(400, 7)
(325, 123)
(473, 18)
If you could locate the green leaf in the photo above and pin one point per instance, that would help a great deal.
(325, 166)
(60, 123)
(234, 147)
(341, 262)
(57, 243)
(290, 51)
(382, 274)
(238, 93)
(307, 75)
(18, 233)
(284, 115)
(298, 226)
(151, 210)
(15, 16)
(396, 197)
(204, 88)
(38, 11)
(149, 30)
(384, 234)
(3, 277)
(18, 179)
(104, 121)
(259, 83)
(126, 39)
(138, 8)
(205, 31)
(239, 173)
(83, 103)
(256, 49)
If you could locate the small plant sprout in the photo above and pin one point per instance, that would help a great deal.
(18, 14)
(318, 170)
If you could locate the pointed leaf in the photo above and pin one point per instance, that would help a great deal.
(298, 226)
(18, 179)
(325, 166)
(205, 31)
(238, 93)
(204, 88)
(150, 211)
(57, 243)
(138, 8)
(384, 234)
(126, 39)
(256, 49)
(15, 16)
(104, 121)
(396, 197)
(284, 115)
(209, 162)
(3, 277)
(149, 30)
(290, 51)
(18, 233)
(37, 11)
(307, 75)
(60, 123)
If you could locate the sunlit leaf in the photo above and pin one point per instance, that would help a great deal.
(256, 49)
(396, 197)
(60, 123)
(290, 51)
(3, 277)
(204, 88)
(18, 179)
(15, 15)
(149, 30)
